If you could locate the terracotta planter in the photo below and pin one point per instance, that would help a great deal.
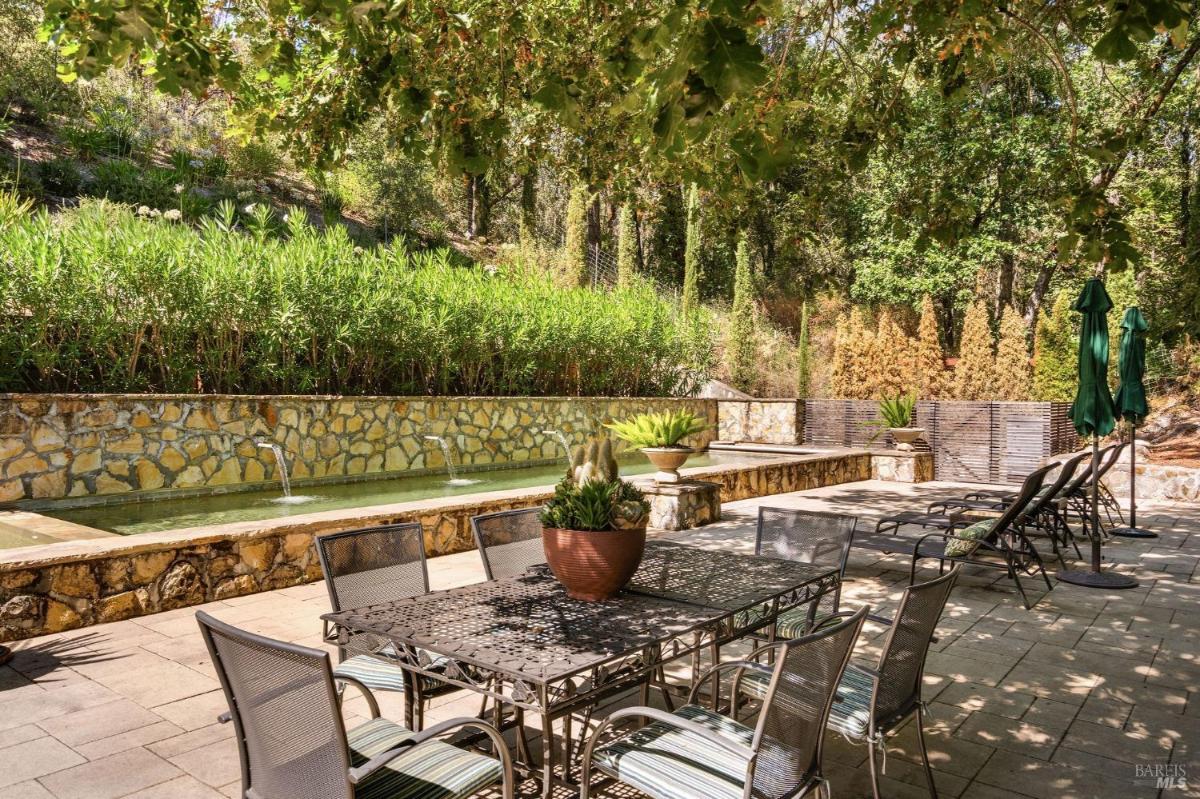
(905, 437)
(593, 565)
(667, 460)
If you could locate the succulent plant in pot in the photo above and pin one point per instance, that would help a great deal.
(896, 418)
(658, 435)
(594, 528)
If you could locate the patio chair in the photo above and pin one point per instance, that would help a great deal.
(873, 702)
(293, 742)
(1047, 516)
(696, 752)
(804, 536)
(366, 567)
(509, 541)
(995, 543)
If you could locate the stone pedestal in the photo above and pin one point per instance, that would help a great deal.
(682, 505)
(902, 467)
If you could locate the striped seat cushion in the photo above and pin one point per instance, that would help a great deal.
(791, 623)
(431, 770)
(665, 762)
(380, 675)
(851, 710)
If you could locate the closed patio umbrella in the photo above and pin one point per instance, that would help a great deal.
(1093, 414)
(1131, 405)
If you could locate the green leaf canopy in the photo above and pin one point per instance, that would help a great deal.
(1093, 409)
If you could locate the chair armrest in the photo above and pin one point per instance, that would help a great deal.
(845, 614)
(372, 704)
(687, 725)
(360, 773)
(741, 665)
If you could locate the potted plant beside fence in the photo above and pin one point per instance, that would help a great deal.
(659, 437)
(896, 418)
(594, 528)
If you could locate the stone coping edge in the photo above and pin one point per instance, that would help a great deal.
(43, 555)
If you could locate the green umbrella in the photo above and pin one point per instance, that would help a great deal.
(1093, 414)
(1131, 405)
(1131, 395)
(1093, 410)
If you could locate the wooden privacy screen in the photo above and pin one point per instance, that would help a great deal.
(976, 442)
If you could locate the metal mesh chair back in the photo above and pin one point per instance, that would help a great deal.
(822, 539)
(791, 724)
(1085, 477)
(282, 700)
(373, 565)
(1066, 471)
(902, 662)
(1021, 505)
(509, 541)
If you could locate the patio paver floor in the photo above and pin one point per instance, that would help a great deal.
(1068, 699)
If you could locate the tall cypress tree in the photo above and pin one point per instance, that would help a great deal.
(803, 366)
(1056, 352)
(1013, 375)
(839, 372)
(976, 357)
(626, 247)
(740, 349)
(690, 300)
(929, 362)
(575, 251)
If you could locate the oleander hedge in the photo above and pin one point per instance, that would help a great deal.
(103, 299)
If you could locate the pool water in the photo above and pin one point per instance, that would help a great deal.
(149, 516)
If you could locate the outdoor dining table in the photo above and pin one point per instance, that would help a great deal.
(523, 642)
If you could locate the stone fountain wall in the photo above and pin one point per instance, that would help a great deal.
(72, 584)
(54, 446)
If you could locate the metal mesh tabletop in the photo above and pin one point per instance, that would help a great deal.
(526, 626)
(724, 580)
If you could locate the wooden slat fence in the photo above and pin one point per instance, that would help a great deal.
(975, 442)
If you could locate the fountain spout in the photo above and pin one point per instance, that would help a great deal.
(562, 439)
(445, 446)
(280, 463)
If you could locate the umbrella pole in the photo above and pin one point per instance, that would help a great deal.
(1133, 531)
(1094, 577)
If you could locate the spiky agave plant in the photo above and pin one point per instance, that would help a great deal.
(665, 429)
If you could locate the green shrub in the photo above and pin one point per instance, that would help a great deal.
(60, 176)
(127, 182)
(118, 302)
(255, 160)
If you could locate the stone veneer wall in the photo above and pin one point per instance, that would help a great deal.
(761, 421)
(75, 584)
(54, 446)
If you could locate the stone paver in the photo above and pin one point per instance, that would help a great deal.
(1065, 700)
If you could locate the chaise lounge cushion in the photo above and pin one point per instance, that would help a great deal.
(957, 548)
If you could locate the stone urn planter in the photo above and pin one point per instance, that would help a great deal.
(905, 437)
(593, 565)
(667, 460)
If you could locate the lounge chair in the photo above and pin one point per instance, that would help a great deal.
(996, 543)
(1050, 515)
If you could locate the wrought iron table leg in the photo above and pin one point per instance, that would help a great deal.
(547, 745)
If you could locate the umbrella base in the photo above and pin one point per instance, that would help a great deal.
(1132, 532)
(5, 655)
(1090, 579)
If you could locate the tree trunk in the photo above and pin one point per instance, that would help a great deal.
(1041, 285)
(469, 186)
(529, 201)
